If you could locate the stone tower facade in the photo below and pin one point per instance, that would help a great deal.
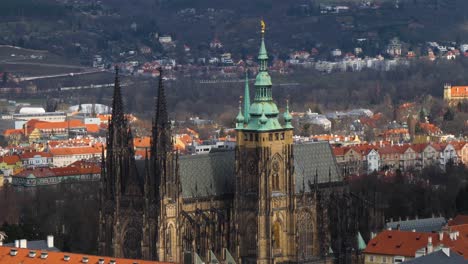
(266, 202)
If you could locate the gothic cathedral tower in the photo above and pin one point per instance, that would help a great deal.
(265, 185)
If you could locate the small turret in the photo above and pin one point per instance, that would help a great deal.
(246, 98)
(287, 116)
(240, 117)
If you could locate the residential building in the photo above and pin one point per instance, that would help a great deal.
(395, 246)
(9, 163)
(36, 159)
(76, 172)
(455, 94)
(21, 118)
(65, 156)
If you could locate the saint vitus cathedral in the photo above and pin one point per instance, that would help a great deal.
(269, 201)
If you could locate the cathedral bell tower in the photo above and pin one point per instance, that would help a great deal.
(264, 198)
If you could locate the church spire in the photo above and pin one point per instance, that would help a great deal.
(246, 98)
(161, 127)
(117, 103)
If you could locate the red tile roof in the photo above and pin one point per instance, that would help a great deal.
(459, 91)
(458, 220)
(58, 258)
(10, 132)
(29, 155)
(75, 151)
(10, 160)
(403, 243)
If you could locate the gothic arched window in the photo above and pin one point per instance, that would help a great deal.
(305, 235)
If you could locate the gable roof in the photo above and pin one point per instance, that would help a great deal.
(403, 243)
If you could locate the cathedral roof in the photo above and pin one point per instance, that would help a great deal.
(311, 159)
(214, 174)
(207, 175)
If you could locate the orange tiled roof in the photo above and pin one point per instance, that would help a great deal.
(9, 132)
(42, 125)
(58, 258)
(92, 128)
(459, 91)
(75, 151)
(29, 155)
(403, 243)
(429, 128)
(10, 160)
(143, 142)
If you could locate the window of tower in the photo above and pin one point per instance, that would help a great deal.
(282, 136)
(251, 136)
(270, 137)
(245, 137)
(256, 137)
(276, 136)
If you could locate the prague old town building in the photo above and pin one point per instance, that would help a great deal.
(269, 201)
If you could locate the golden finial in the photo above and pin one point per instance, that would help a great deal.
(263, 26)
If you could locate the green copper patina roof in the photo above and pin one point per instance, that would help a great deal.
(360, 241)
(262, 114)
(246, 98)
(262, 54)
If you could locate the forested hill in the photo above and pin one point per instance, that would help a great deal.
(96, 25)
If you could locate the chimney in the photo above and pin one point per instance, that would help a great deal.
(23, 243)
(429, 245)
(50, 241)
(441, 236)
(101, 261)
(389, 229)
(413, 230)
(13, 252)
(66, 257)
(44, 255)
(112, 261)
(84, 260)
(16, 243)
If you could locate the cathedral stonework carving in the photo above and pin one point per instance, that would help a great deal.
(262, 203)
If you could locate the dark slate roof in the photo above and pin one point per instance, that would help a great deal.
(312, 158)
(439, 257)
(207, 174)
(214, 174)
(420, 225)
(36, 245)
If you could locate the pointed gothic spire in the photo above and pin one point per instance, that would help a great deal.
(161, 128)
(246, 98)
(117, 103)
(161, 118)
